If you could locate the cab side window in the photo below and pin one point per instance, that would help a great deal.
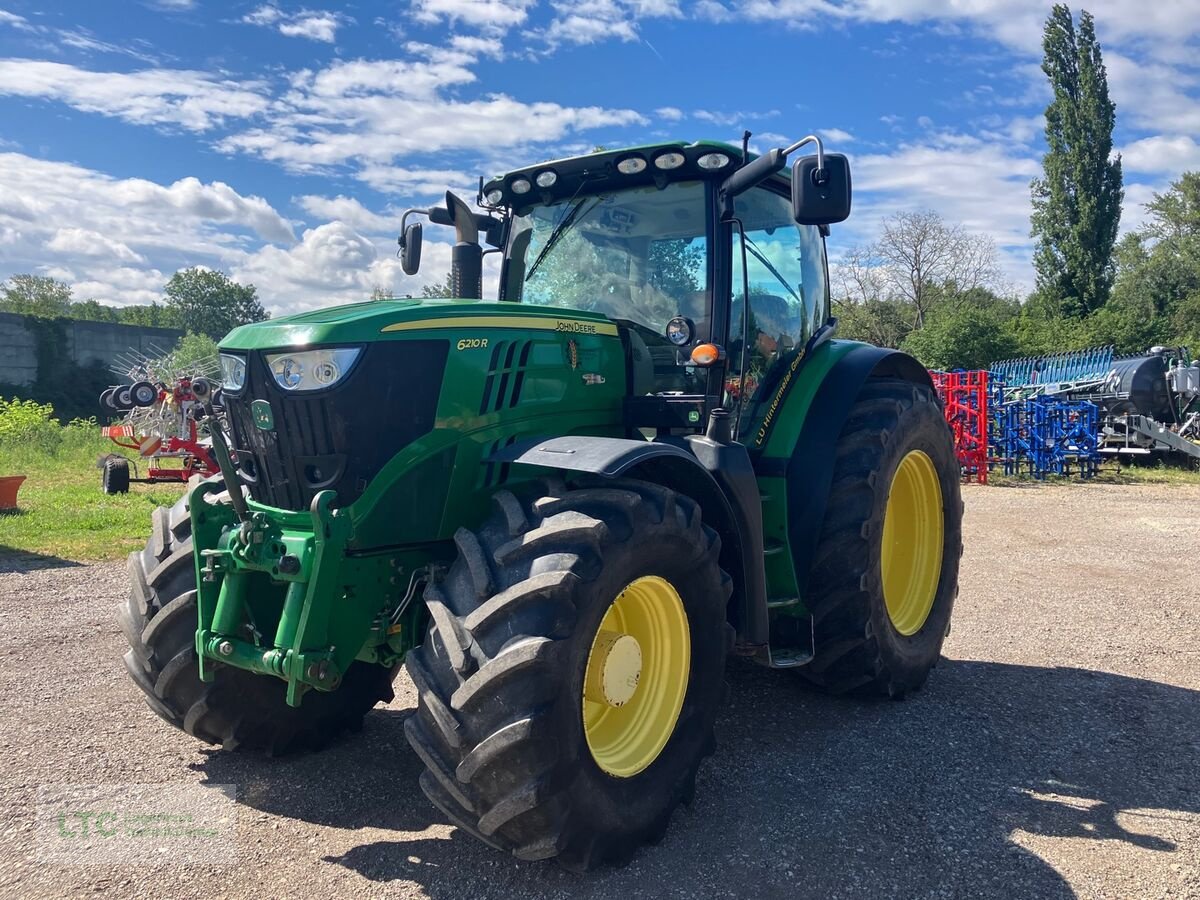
(788, 302)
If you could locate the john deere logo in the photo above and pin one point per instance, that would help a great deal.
(260, 411)
(573, 354)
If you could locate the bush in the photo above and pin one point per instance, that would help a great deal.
(28, 424)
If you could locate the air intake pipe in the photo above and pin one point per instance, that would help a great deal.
(466, 259)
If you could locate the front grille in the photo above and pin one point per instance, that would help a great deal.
(336, 439)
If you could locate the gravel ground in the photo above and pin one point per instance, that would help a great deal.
(1054, 752)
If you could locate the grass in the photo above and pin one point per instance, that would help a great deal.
(62, 510)
(1108, 474)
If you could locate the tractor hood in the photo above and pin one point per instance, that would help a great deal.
(390, 319)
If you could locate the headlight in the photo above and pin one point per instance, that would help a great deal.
(713, 161)
(311, 370)
(679, 331)
(233, 372)
(631, 165)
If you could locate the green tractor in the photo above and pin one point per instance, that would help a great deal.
(562, 509)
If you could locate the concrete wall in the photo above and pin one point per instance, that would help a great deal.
(18, 351)
(87, 342)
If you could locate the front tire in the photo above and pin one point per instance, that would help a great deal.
(885, 574)
(554, 720)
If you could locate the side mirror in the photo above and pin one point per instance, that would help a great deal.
(410, 249)
(821, 196)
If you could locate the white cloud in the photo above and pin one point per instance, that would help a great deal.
(1161, 154)
(488, 15)
(315, 25)
(669, 113)
(835, 136)
(475, 46)
(15, 21)
(332, 263)
(82, 242)
(348, 211)
(193, 100)
(371, 112)
(980, 184)
(83, 39)
(119, 286)
(593, 21)
(263, 15)
(738, 118)
(1152, 95)
(106, 229)
(1017, 23)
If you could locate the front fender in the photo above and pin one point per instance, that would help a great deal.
(724, 500)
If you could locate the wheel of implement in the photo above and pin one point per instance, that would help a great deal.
(106, 399)
(114, 475)
(143, 393)
(123, 398)
(237, 708)
(885, 574)
(572, 670)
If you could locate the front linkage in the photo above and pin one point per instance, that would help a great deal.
(280, 594)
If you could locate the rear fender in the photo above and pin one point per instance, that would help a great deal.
(808, 465)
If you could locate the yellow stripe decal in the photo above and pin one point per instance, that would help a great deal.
(537, 323)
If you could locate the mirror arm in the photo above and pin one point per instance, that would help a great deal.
(766, 165)
(819, 175)
(404, 222)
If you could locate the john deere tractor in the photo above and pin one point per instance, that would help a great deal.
(562, 508)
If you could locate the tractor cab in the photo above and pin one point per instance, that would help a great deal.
(653, 239)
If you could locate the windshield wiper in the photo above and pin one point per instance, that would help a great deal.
(770, 268)
(559, 230)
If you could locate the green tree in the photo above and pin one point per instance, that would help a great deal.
(35, 295)
(971, 333)
(1077, 202)
(211, 303)
(1156, 296)
(194, 352)
(882, 321)
(94, 311)
(439, 289)
(154, 315)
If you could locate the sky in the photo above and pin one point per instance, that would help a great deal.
(280, 142)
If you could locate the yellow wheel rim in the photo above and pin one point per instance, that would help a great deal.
(636, 677)
(911, 556)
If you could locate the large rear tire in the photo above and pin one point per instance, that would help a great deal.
(237, 708)
(572, 671)
(885, 574)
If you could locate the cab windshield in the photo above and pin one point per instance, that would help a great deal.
(638, 256)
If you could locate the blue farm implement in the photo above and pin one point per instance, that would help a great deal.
(1147, 405)
(1042, 436)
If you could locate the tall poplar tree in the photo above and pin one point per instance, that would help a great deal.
(1077, 203)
